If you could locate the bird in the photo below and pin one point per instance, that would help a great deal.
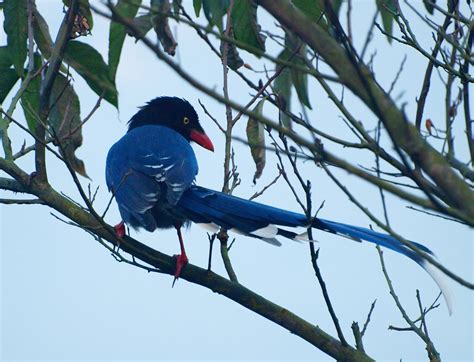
(151, 173)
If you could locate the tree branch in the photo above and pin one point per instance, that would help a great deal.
(403, 134)
(234, 291)
(55, 61)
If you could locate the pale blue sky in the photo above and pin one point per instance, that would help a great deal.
(64, 297)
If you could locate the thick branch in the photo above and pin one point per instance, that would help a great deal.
(359, 79)
(300, 140)
(11, 185)
(191, 273)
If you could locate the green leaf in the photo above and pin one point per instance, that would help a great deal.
(30, 99)
(214, 10)
(299, 78)
(88, 62)
(42, 37)
(8, 78)
(65, 121)
(300, 82)
(82, 57)
(117, 32)
(429, 6)
(16, 28)
(5, 58)
(312, 9)
(256, 140)
(160, 24)
(282, 88)
(245, 26)
(143, 24)
(197, 4)
(388, 9)
(41, 34)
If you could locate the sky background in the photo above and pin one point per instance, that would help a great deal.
(63, 296)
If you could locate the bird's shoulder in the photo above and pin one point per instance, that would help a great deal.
(153, 151)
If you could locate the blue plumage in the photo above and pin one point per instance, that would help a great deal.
(148, 170)
(151, 171)
(203, 205)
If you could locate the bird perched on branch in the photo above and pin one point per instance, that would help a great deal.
(151, 172)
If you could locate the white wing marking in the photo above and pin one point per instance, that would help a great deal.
(269, 232)
(169, 167)
(154, 166)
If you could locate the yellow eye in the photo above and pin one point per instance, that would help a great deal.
(185, 120)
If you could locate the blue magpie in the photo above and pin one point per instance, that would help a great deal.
(151, 172)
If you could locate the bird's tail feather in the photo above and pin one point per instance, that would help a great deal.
(216, 209)
(207, 206)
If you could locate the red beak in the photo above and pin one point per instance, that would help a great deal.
(202, 140)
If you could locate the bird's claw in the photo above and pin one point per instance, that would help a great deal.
(120, 229)
(181, 261)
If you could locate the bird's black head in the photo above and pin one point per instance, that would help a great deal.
(175, 113)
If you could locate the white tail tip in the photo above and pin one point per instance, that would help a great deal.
(441, 280)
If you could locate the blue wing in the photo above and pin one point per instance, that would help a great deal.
(149, 165)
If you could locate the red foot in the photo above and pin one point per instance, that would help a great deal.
(181, 261)
(120, 229)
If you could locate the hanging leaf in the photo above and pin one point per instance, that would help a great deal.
(85, 60)
(8, 78)
(41, 34)
(256, 140)
(5, 58)
(214, 10)
(300, 81)
(234, 61)
(16, 28)
(91, 66)
(42, 37)
(161, 25)
(387, 10)
(30, 99)
(65, 122)
(299, 78)
(429, 5)
(282, 88)
(245, 25)
(143, 24)
(197, 4)
(117, 32)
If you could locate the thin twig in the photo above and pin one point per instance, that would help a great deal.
(367, 321)
(432, 353)
(260, 193)
(223, 238)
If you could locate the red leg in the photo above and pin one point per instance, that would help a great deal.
(181, 259)
(120, 229)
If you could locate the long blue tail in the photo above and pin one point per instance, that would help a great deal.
(216, 209)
